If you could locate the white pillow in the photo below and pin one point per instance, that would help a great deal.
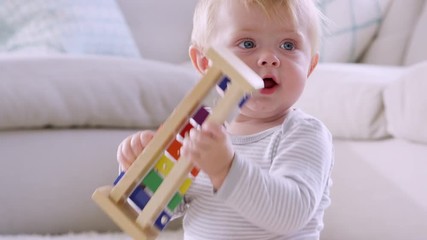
(65, 26)
(417, 51)
(406, 104)
(390, 45)
(350, 28)
(161, 33)
(348, 98)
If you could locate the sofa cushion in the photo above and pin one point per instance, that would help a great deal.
(350, 27)
(348, 98)
(70, 26)
(92, 91)
(406, 104)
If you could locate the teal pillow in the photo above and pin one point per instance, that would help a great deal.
(65, 26)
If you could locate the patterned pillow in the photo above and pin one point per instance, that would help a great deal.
(65, 26)
(350, 28)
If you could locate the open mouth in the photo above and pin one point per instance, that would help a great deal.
(269, 83)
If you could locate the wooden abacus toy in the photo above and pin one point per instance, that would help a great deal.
(143, 198)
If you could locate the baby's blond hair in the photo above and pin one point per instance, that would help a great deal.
(300, 12)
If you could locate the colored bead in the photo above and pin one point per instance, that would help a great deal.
(174, 202)
(185, 186)
(140, 197)
(195, 171)
(185, 130)
(201, 115)
(164, 165)
(162, 220)
(119, 177)
(224, 83)
(174, 149)
(152, 181)
(243, 101)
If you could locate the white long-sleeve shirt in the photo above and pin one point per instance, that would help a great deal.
(277, 187)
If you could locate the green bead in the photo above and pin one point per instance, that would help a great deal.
(152, 181)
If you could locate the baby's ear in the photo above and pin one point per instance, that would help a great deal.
(199, 60)
(313, 63)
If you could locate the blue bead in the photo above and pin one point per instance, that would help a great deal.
(243, 101)
(224, 83)
(119, 177)
(140, 197)
(163, 220)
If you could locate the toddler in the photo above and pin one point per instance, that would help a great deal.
(267, 174)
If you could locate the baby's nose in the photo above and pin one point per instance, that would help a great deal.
(269, 60)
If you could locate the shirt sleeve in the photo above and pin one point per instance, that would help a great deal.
(286, 197)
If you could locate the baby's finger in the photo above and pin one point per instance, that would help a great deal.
(127, 150)
(189, 150)
(136, 144)
(145, 137)
(213, 130)
(121, 159)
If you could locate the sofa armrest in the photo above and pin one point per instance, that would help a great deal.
(406, 104)
(348, 98)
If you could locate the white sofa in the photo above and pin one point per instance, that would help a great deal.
(62, 116)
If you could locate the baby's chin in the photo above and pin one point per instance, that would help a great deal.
(259, 102)
(256, 110)
(263, 107)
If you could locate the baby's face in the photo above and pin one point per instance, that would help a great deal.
(277, 49)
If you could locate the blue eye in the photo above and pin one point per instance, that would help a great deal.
(288, 46)
(247, 44)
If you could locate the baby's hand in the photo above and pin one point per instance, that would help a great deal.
(210, 150)
(131, 147)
